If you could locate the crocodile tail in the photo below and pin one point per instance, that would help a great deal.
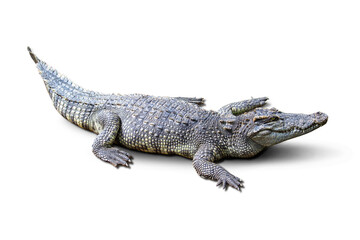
(56, 82)
(72, 101)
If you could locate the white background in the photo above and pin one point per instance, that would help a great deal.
(303, 55)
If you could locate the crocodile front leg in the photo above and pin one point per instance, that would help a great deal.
(107, 124)
(206, 168)
(238, 108)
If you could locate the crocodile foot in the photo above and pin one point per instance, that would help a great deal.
(227, 179)
(114, 155)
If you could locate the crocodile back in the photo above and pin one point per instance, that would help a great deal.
(160, 124)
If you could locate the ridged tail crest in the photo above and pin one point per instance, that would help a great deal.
(72, 101)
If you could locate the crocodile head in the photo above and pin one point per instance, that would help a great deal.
(270, 126)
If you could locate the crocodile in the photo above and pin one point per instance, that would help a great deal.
(175, 125)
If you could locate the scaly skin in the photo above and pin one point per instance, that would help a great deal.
(174, 125)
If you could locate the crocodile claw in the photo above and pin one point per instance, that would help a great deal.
(230, 180)
(115, 156)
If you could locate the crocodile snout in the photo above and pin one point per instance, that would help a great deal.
(320, 118)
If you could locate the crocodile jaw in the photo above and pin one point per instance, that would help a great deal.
(290, 126)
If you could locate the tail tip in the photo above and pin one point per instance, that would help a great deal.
(32, 55)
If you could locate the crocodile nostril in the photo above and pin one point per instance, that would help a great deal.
(320, 118)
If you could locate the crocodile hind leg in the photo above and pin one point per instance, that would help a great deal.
(206, 168)
(107, 124)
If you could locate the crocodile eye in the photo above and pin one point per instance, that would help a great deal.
(258, 119)
(274, 118)
(266, 119)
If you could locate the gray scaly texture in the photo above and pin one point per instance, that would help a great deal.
(174, 125)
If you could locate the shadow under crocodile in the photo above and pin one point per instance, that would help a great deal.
(290, 152)
(286, 152)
